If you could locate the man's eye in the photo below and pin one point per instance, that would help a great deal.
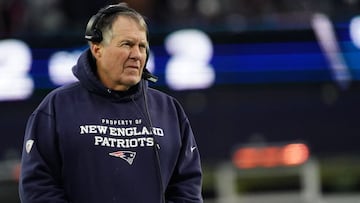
(142, 46)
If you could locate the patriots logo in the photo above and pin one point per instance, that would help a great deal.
(128, 156)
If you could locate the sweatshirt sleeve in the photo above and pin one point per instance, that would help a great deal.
(186, 182)
(40, 178)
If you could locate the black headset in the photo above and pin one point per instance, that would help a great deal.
(94, 34)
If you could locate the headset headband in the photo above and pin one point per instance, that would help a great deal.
(93, 33)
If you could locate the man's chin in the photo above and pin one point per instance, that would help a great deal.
(131, 81)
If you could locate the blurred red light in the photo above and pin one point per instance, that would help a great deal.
(271, 156)
(16, 172)
(246, 157)
(295, 154)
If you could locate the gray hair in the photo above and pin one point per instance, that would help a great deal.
(105, 24)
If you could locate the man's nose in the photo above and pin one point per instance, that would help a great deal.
(135, 53)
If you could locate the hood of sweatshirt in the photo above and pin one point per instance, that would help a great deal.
(85, 72)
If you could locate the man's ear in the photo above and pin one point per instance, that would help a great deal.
(96, 49)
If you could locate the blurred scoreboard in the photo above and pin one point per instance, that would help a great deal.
(191, 59)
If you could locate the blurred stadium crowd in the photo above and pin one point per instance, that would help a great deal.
(28, 16)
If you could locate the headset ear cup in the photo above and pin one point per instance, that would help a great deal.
(97, 36)
(89, 32)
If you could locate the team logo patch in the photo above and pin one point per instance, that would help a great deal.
(29, 145)
(128, 156)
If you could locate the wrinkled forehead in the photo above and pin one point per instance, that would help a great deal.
(129, 27)
(137, 18)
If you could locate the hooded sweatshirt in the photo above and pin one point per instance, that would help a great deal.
(87, 144)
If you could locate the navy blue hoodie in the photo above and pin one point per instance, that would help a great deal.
(87, 144)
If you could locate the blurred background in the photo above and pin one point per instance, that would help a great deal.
(271, 88)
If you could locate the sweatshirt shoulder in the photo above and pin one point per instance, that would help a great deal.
(165, 100)
(71, 88)
(159, 95)
(58, 94)
(67, 89)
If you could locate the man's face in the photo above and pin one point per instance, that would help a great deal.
(120, 63)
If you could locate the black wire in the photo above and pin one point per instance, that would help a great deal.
(156, 145)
